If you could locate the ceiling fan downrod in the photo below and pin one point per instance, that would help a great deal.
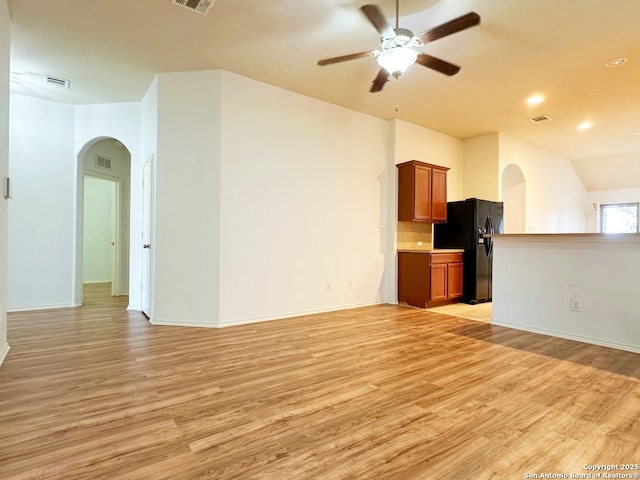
(397, 14)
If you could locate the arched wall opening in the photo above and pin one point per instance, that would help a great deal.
(514, 195)
(103, 204)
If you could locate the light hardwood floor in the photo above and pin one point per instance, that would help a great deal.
(480, 312)
(382, 392)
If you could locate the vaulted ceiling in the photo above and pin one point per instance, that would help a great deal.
(110, 51)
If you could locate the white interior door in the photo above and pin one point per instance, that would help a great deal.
(100, 245)
(147, 209)
(114, 240)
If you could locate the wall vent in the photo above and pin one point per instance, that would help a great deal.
(199, 6)
(540, 119)
(103, 162)
(56, 82)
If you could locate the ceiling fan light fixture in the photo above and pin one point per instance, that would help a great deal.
(397, 60)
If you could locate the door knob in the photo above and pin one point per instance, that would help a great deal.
(146, 245)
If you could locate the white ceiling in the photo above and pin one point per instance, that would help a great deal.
(110, 51)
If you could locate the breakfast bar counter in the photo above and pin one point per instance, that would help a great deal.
(580, 286)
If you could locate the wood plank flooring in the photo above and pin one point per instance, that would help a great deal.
(481, 312)
(383, 392)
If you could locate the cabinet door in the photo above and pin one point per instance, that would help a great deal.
(438, 282)
(419, 186)
(413, 279)
(454, 280)
(438, 195)
(422, 188)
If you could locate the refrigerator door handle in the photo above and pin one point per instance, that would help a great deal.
(487, 240)
(490, 239)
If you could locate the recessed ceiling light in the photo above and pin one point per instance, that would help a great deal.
(585, 125)
(638, 133)
(535, 99)
(616, 62)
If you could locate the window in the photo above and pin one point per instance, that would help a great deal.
(619, 218)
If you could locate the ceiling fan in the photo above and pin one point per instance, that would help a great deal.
(398, 46)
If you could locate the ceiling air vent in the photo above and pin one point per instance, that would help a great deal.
(199, 6)
(56, 82)
(103, 162)
(540, 119)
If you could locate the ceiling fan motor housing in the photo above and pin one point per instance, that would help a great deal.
(403, 38)
(404, 32)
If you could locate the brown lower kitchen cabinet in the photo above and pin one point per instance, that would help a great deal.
(428, 279)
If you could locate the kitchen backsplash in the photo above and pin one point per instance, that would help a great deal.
(412, 233)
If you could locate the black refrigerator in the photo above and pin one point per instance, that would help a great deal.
(467, 222)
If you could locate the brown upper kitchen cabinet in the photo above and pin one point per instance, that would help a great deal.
(422, 192)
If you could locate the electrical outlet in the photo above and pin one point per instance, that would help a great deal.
(574, 304)
(349, 284)
(327, 286)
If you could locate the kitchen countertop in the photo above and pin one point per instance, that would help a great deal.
(434, 250)
(556, 235)
(569, 237)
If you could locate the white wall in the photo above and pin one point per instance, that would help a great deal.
(514, 196)
(602, 197)
(149, 123)
(556, 200)
(303, 198)
(482, 167)
(41, 219)
(96, 265)
(5, 28)
(411, 142)
(186, 247)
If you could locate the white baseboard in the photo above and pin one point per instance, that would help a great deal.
(4, 349)
(568, 336)
(246, 321)
(178, 323)
(250, 320)
(42, 307)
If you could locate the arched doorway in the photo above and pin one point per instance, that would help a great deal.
(103, 216)
(514, 195)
